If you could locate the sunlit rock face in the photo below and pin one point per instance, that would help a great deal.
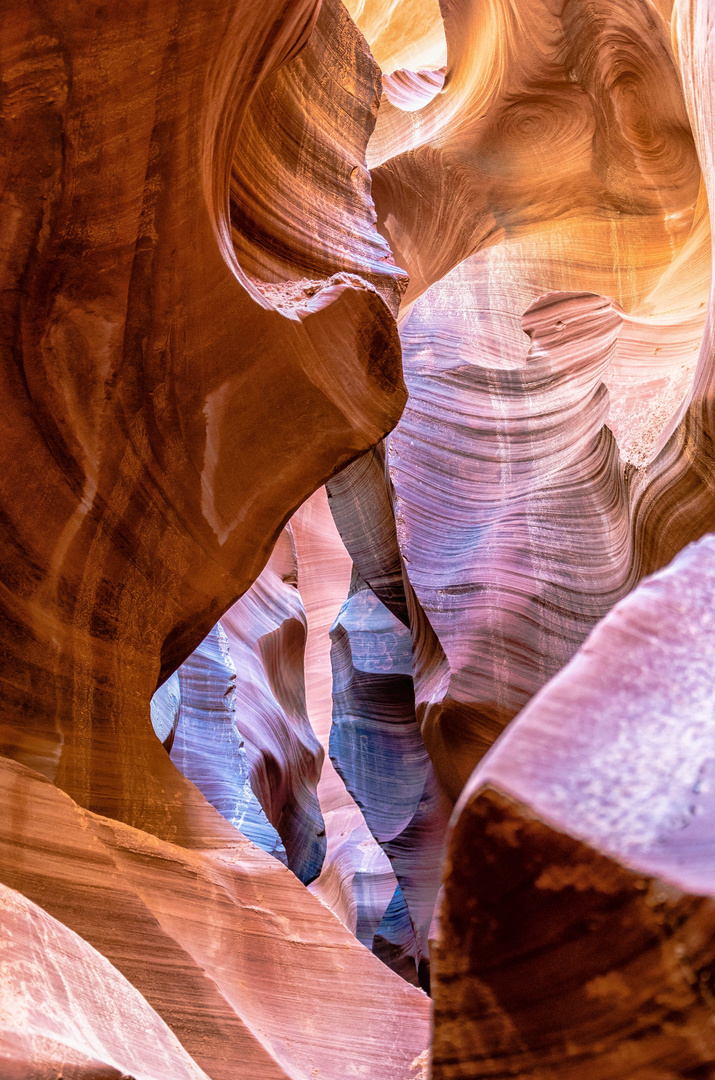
(549, 205)
(68, 1009)
(403, 34)
(315, 696)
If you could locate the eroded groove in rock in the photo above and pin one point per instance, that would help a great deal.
(411, 90)
(578, 925)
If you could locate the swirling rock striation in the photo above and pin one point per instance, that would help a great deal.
(531, 480)
(293, 228)
(135, 348)
(503, 485)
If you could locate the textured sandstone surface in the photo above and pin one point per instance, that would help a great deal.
(356, 880)
(225, 944)
(266, 631)
(134, 343)
(207, 747)
(66, 1011)
(549, 203)
(578, 923)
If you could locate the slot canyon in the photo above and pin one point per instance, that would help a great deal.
(357, 540)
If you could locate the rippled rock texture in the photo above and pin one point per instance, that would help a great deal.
(315, 696)
(550, 204)
(135, 343)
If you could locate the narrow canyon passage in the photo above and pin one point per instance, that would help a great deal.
(357, 552)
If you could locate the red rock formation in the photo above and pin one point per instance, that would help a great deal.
(163, 414)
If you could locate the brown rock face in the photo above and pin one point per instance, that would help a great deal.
(142, 369)
(562, 959)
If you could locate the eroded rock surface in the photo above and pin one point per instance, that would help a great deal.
(578, 923)
(550, 208)
(225, 945)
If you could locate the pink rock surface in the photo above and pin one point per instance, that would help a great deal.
(227, 946)
(357, 881)
(513, 537)
(66, 1011)
(266, 632)
(524, 510)
(411, 90)
(578, 924)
